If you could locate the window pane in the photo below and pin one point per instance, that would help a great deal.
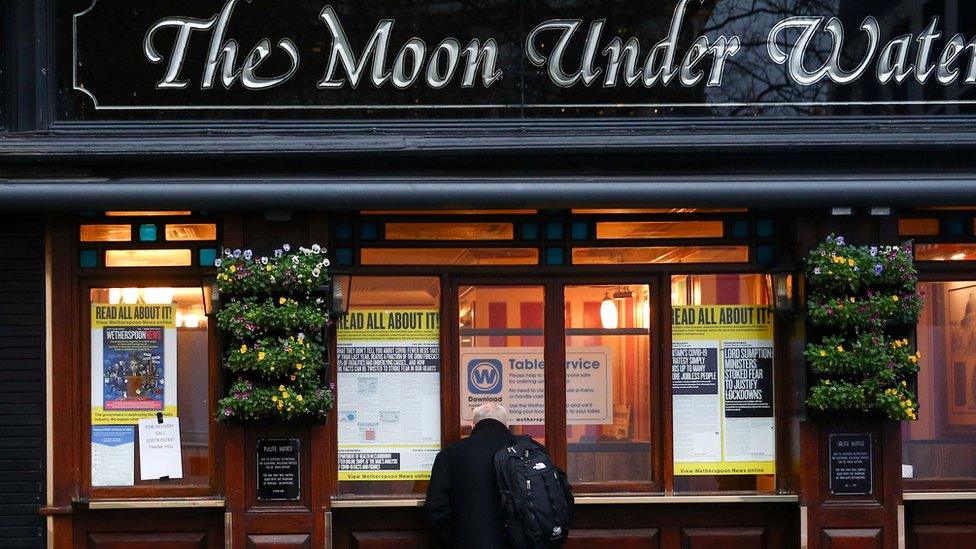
(660, 254)
(191, 231)
(941, 444)
(148, 258)
(450, 256)
(106, 233)
(656, 210)
(608, 383)
(502, 355)
(659, 229)
(945, 252)
(723, 417)
(139, 368)
(147, 213)
(388, 381)
(918, 227)
(449, 231)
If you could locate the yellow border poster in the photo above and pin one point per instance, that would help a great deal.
(722, 390)
(389, 386)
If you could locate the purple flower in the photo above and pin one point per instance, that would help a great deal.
(874, 250)
(248, 254)
(237, 253)
(228, 412)
(286, 247)
(878, 268)
(816, 270)
(840, 240)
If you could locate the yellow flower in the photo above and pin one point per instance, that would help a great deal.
(894, 298)
(274, 398)
(281, 405)
(281, 301)
(908, 402)
(285, 395)
(281, 387)
(299, 398)
(823, 353)
(268, 268)
(850, 262)
(910, 413)
(261, 355)
(913, 358)
(851, 299)
(233, 268)
(243, 349)
(904, 342)
(299, 366)
(904, 384)
(840, 348)
(918, 354)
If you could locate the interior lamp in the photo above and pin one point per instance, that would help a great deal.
(608, 313)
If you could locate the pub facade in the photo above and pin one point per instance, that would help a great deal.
(747, 229)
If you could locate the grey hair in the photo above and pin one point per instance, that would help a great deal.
(490, 411)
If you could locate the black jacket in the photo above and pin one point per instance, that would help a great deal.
(463, 503)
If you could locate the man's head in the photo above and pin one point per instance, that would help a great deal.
(490, 411)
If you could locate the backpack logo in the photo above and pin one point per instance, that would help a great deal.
(484, 376)
(539, 466)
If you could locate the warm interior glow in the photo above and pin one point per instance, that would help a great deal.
(130, 296)
(449, 231)
(918, 226)
(146, 213)
(608, 313)
(191, 231)
(941, 252)
(659, 229)
(448, 212)
(157, 296)
(449, 256)
(660, 254)
(611, 211)
(105, 233)
(148, 258)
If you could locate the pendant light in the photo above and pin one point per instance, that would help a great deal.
(608, 313)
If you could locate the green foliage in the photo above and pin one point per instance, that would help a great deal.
(274, 335)
(858, 293)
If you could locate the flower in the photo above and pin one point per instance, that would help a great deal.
(316, 248)
(243, 349)
(286, 247)
(278, 253)
(894, 298)
(232, 268)
(237, 253)
(850, 262)
(299, 398)
(248, 254)
(217, 262)
(851, 299)
(326, 262)
(840, 348)
(873, 250)
(840, 240)
(316, 272)
(816, 270)
(823, 353)
(299, 366)
(878, 268)
(281, 387)
(261, 355)
(264, 260)
(281, 300)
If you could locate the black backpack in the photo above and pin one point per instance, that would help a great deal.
(536, 498)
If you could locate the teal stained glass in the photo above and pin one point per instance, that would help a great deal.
(369, 231)
(207, 256)
(343, 230)
(764, 254)
(955, 227)
(147, 232)
(344, 256)
(554, 256)
(529, 231)
(579, 230)
(740, 229)
(764, 228)
(554, 230)
(88, 259)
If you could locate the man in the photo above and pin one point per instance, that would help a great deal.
(463, 504)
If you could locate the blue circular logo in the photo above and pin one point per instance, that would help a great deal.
(485, 376)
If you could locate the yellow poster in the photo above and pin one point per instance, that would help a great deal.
(133, 363)
(722, 390)
(388, 404)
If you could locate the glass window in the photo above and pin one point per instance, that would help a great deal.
(909, 226)
(941, 444)
(945, 252)
(148, 258)
(502, 353)
(608, 383)
(659, 229)
(106, 233)
(449, 231)
(149, 353)
(660, 254)
(723, 417)
(388, 382)
(450, 256)
(191, 231)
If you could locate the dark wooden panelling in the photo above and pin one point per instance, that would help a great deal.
(851, 538)
(163, 540)
(279, 541)
(21, 382)
(941, 524)
(637, 538)
(390, 540)
(943, 536)
(724, 538)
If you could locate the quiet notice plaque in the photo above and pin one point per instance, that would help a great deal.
(279, 469)
(851, 464)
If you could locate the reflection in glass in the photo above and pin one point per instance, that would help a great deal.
(941, 444)
(501, 352)
(608, 384)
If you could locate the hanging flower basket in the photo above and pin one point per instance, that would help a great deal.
(859, 294)
(275, 330)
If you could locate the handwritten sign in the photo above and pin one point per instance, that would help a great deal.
(160, 450)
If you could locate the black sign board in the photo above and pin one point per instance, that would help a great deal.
(851, 464)
(279, 469)
(513, 58)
